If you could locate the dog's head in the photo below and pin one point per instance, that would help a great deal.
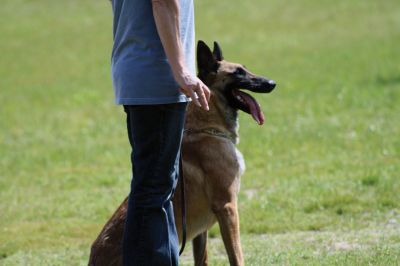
(227, 80)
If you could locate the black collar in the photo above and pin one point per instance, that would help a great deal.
(212, 131)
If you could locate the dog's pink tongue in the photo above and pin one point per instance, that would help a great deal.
(255, 108)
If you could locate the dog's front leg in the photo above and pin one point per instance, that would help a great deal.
(228, 220)
(200, 249)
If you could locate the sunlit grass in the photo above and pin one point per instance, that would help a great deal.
(324, 167)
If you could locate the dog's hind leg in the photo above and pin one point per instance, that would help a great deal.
(107, 248)
(228, 220)
(200, 249)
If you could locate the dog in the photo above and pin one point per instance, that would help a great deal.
(212, 165)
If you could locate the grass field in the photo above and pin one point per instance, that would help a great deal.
(322, 182)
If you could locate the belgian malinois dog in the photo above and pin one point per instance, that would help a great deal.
(212, 165)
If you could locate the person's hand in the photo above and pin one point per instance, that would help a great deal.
(192, 86)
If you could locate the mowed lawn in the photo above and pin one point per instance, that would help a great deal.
(322, 181)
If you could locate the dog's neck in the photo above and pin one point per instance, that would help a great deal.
(220, 117)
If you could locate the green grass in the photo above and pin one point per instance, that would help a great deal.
(322, 181)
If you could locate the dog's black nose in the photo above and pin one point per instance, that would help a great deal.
(272, 83)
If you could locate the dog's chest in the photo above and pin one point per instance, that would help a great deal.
(240, 160)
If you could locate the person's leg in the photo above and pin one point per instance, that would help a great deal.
(155, 134)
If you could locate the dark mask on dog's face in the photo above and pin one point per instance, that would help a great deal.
(227, 79)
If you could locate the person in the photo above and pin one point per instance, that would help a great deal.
(153, 74)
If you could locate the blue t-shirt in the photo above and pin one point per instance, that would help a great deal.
(140, 70)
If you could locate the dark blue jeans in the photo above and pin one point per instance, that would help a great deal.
(155, 134)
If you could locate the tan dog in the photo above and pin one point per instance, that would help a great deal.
(212, 164)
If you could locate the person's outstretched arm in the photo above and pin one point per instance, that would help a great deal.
(166, 16)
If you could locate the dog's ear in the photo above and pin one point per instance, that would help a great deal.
(217, 52)
(205, 59)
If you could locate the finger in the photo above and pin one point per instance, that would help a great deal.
(194, 98)
(207, 92)
(202, 98)
(185, 91)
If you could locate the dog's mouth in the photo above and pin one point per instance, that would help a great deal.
(244, 101)
(248, 104)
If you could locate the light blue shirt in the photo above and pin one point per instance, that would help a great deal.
(140, 70)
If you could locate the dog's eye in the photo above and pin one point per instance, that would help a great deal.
(239, 72)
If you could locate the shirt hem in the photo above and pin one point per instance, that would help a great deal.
(148, 101)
